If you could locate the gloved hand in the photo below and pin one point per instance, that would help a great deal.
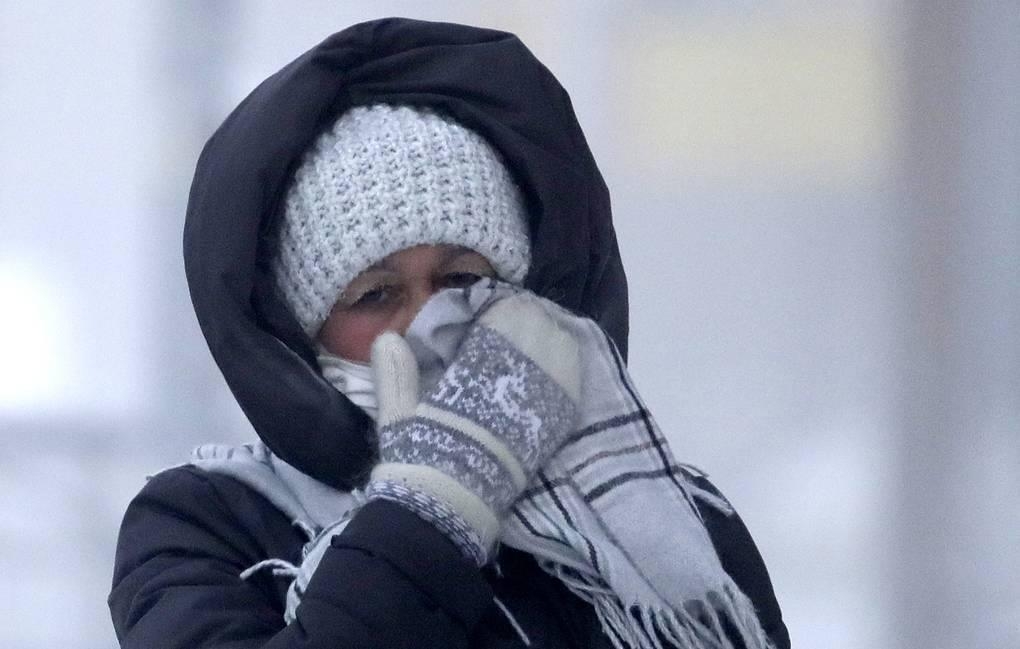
(461, 454)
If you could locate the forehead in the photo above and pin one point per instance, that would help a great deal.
(427, 256)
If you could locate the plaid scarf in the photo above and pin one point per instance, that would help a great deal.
(612, 514)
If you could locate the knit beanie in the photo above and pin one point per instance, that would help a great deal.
(384, 178)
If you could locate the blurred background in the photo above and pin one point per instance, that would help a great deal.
(818, 205)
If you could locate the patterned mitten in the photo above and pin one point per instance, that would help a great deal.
(460, 455)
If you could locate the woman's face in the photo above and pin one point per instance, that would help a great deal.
(388, 295)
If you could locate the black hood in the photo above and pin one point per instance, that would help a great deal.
(487, 80)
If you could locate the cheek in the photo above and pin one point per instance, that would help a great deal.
(351, 335)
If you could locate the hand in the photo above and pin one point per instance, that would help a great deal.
(461, 454)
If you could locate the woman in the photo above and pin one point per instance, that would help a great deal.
(388, 505)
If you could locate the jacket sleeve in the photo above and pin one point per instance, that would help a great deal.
(385, 579)
(743, 562)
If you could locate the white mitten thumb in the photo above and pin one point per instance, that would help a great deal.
(396, 377)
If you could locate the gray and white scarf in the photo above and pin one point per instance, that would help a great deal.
(612, 514)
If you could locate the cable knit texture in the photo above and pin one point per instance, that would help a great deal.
(385, 178)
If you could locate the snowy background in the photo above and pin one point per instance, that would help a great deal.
(818, 206)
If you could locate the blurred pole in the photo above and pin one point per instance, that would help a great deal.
(958, 353)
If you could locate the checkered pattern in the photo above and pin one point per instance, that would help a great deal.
(611, 513)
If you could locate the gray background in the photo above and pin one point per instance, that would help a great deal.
(817, 205)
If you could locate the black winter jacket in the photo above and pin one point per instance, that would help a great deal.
(389, 579)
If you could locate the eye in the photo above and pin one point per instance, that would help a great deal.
(374, 296)
(460, 279)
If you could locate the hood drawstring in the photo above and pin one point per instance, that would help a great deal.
(280, 568)
(286, 569)
(513, 622)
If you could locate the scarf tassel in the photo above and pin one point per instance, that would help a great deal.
(699, 625)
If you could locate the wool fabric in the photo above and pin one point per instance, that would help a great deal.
(384, 178)
(611, 514)
(462, 455)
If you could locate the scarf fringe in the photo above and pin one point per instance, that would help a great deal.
(698, 625)
(713, 500)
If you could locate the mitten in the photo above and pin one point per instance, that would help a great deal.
(461, 454)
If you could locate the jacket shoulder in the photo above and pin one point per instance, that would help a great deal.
(188, 535)
(210, 514)
(184, 540)
(740, 557)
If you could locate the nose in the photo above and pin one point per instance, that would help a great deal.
(416, 299)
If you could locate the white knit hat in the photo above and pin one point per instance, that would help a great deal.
(385, 178)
